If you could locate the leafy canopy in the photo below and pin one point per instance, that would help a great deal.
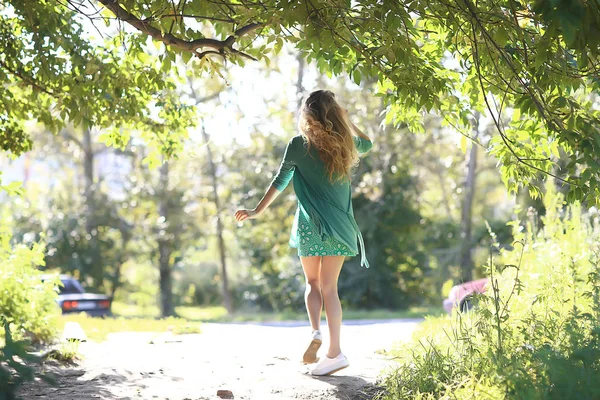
(532, 65)
(53, 71)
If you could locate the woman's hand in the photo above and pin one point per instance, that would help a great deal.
(272, 193)
(241, 215)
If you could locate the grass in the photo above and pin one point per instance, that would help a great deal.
(535, 334)
(65, 352)
(131, 318)
(97, 329)
(219, 314)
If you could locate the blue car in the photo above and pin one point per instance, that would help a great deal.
(72, 298)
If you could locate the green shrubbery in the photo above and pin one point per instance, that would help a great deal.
(27, 304)
(536, 332)
(27, 310)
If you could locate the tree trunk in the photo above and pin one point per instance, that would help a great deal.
(116, 277)
(213, 174)
(221, 242)
(440, 175)
(164, 248)
(299, 82)
(466, 258)
(115, 280)
(91, 210)
(88, 175)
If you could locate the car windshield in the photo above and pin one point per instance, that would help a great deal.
(71, 286)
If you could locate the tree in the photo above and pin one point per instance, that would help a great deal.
(466, 215)
(55, 72)
(221, 241)
(536, 57)
(85, 226)
(212, 171)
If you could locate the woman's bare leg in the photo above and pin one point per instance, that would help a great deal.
(312, 295)
(330, 272)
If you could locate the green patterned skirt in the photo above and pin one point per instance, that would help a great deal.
(310, 243)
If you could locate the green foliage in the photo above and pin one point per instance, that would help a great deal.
(67, 351)
(273, 281)
(55, 72)
(26, 303)
(391, 226)
(532, 65)
(15, 364)
(62, 222)
(27, 308)
(198, 282)
(13, 188)
(535, 334)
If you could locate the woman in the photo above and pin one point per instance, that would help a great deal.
(320, 161)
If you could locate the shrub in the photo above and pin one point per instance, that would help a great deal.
(27, 311)
(27, 304)
(14, 365)
(535, 334)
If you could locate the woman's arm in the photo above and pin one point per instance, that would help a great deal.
(356, 129)
(278, 185)
(263, 204)
(362, 142)
(359, 133)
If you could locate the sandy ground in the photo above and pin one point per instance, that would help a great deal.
(253, 361)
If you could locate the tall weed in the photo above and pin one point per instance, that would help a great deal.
(535, 334)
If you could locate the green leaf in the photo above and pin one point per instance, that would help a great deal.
(13, 188)
(186, 56)
(278, 45)
(356, 76)
(501, 36)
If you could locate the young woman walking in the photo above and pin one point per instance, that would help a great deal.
(320, 161)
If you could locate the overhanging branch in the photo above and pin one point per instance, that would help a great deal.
(220, 46)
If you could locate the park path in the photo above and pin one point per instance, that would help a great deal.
(253, 361)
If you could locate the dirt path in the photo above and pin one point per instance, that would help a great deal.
(258, 362)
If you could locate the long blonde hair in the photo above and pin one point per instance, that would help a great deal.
(325, 125)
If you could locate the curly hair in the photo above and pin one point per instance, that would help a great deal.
(325, 125)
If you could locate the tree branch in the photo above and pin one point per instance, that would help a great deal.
(204, 17)
(504, 138)
(27, 79)
(204, 99)
(72, 138)
(193, 45)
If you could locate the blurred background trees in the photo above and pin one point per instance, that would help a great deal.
(163, 235)
(137, 140)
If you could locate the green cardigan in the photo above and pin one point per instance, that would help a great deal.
(327, 205)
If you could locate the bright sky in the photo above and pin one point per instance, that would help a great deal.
(236, 113)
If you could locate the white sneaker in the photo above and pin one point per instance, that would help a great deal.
(328, 366)
(310, 355)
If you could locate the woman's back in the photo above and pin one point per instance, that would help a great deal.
(305, 161)
(312, 170)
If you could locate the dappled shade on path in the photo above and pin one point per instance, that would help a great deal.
(254, 362)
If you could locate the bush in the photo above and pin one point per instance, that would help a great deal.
(14, 365)
(536, 332)
(27, 304)
(27, 311)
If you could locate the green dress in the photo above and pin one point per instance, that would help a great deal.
(324, 224)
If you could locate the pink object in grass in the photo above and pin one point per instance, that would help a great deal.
(460, 294)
